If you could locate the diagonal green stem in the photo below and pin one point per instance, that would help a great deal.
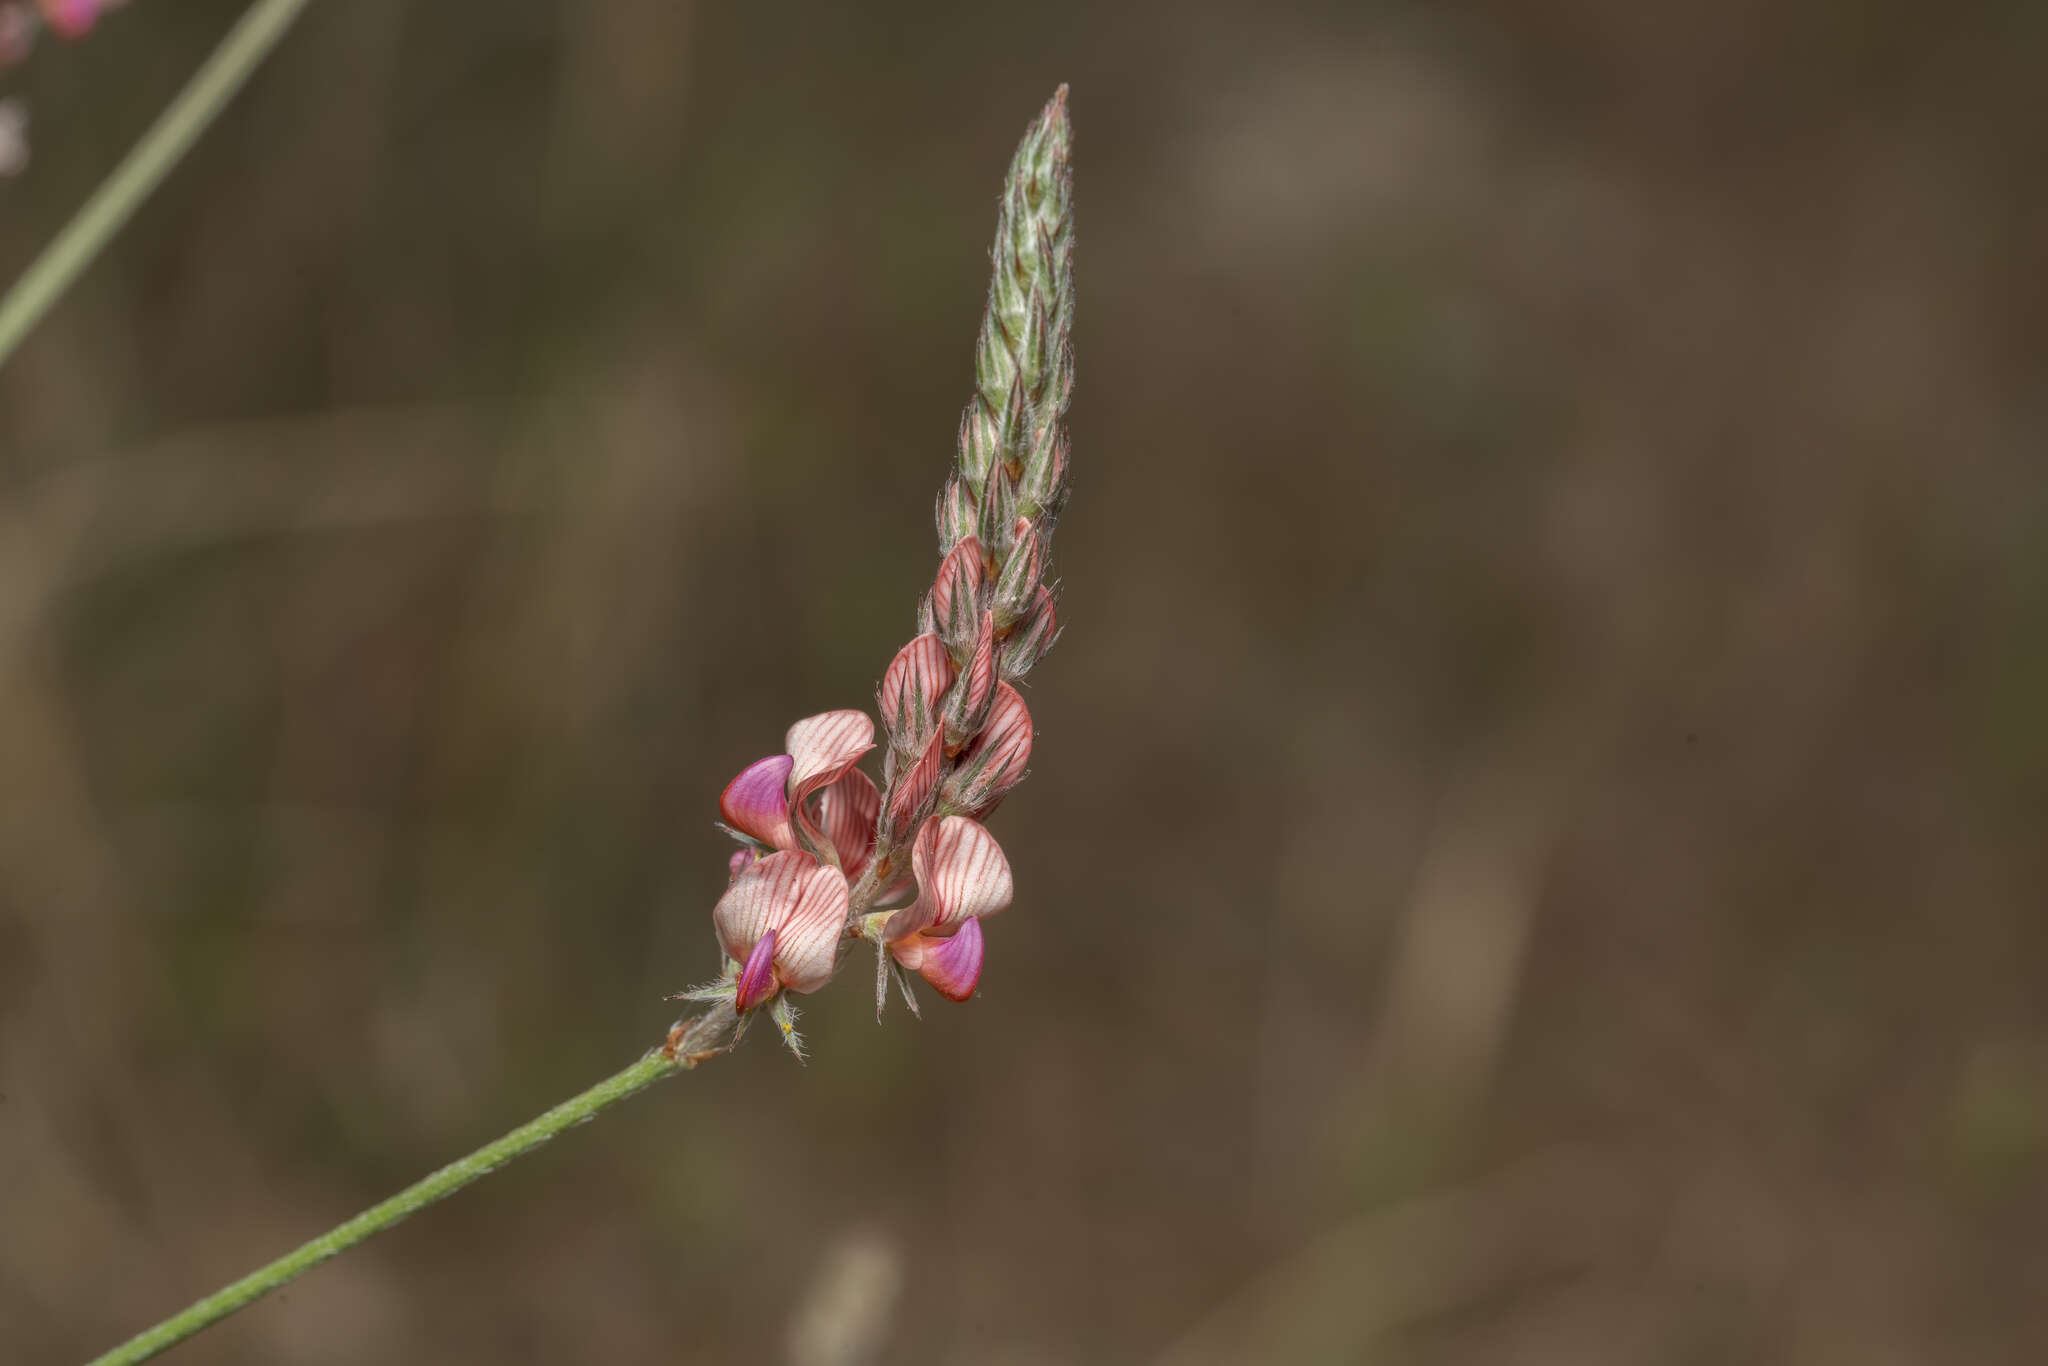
(413, 1198)
(144, 168)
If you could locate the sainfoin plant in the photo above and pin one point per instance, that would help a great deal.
(831, 862)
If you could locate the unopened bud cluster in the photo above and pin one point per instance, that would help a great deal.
(827, 856)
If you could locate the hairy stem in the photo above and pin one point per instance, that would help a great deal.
(656, 1065)
(144, 168)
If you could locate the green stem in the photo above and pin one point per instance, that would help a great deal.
(144, 168)
(413, 1198)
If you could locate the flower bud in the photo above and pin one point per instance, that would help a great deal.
(958, 513)
(998, 516)
(1017, 583)
(1042, 485)
(981, 444)
(1030, 637)
(967, 705)
(916, 680)
(956, 598)
(996, 761)
(914, 788)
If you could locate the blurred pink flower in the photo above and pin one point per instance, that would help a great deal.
(71, 18)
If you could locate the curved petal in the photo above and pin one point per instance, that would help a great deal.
(757, 979)
(846, 816)
(822, 747)
(756, 801)
(762, 898)
(810, 932)
(954, 965)
(961, 876)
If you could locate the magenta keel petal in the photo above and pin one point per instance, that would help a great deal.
(757, 978)
(756, 802)
(953, 965)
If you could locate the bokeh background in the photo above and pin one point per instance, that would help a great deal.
(1536, 847)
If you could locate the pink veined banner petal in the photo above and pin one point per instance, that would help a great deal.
(761, 898)
(822, 747)
(811, 930)
(756, 801)
(757, 979)
(847, 811)
(961, 868)
(954, 965)
(961, 875)
(912, 685)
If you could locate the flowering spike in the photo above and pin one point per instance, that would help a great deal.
(995, 762)
(757, 802)
(757, 979)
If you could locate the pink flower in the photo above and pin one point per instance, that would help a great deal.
(71, 18)
(771, 799)
(961, 877)
(781, 919)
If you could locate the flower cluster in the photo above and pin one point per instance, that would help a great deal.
(826, 855)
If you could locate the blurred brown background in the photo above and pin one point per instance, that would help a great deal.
(1535, 848)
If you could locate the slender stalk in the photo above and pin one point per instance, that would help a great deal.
(445, 1182)
(151, 159)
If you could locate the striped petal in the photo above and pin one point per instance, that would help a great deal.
(767, 896)
(822, 747)
(846, 816)
(961, 876)
(757, 803)
(911, 688)
(811, 931)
